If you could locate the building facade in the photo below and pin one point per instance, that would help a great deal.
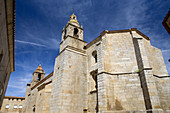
(7, 43)
(13, 104)
(118, 72)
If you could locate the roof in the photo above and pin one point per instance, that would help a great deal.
(12, 97)
(39, 67)
(10, 21)
(116, 31)
(39, 70)
(164, 22)
(42, 80)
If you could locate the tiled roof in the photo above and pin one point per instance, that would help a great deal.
(39, 67)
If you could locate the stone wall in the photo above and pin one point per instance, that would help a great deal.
(117, 72)
(117, 85)
(7, 56)
(126, 67)
(38, 97)
(70, 82)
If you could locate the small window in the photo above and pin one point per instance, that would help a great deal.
(65, 32)
(84, 110)
(7, 106)
(20, 106)
(94, 54)
(75, 32)
(39, 77)
(15, 106)
(1, 55)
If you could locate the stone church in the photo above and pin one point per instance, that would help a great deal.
(118, 72)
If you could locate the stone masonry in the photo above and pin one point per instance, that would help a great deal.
(13, 104)
(118, 72)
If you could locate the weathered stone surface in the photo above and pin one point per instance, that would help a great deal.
(7, 41)
(118, 72)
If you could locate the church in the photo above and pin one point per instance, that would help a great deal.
(117, 72)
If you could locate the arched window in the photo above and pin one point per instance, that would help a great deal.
(20, 106)
(94, 54)
(75, 33)
(7, 106)
(94, 77)
(15, 106)
(33, 109)
(39, 77)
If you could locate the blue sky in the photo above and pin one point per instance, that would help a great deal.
(39, 24)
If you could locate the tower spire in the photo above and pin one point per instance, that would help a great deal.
(73, 20)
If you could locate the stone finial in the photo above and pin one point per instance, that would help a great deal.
(73, 19)
(39, 67)
(81, 26)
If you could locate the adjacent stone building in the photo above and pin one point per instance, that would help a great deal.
(7, 43)
(13, 104)
(118, 72)
(38, 93)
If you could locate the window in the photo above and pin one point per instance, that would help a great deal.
(95, 58)
(94, 54)
(85, 110)
(20, 106)
(39, 77)
(1, 55)
(65, 33)
(75, 32)
(7, 106)
(33, 109)
(94, 81)
(15, 106)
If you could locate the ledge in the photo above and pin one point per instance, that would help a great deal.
(73, 38)
(93, 91)
(12, 97)
(161, 76)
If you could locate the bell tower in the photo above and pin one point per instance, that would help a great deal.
(72, 31)
(70, 71)
(37, 75)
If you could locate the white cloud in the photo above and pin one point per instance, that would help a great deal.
(31, 43)
(17, 86)
(168, 50)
